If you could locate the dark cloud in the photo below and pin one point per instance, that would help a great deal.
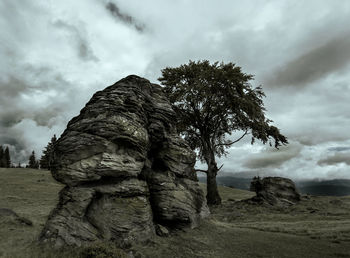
(13, 91)
(18, 150)
(337, 149)
(11, 87)
(83, 48)
(48, 67)
(10, 92)
(127, 19)
(11, 141)
(313, 138)
(272, 157)
(319, 62)
(9, 118)
(341, 157)
(17, 153)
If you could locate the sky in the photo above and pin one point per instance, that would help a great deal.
(54, 55)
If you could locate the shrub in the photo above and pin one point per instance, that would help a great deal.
(102, 250)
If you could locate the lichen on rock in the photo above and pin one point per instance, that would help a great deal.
(125, 170)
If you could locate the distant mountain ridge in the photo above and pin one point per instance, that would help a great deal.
(335, 187)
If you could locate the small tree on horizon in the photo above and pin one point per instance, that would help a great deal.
(1, 157)
(7, 158)
(211, 102)
(45, 160)
(33, 163)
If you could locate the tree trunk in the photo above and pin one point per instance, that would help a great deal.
(213, 197)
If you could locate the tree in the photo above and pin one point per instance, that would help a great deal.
(213, 101)
(47, 152)
(7, 158)
(2, 161)
(33, 163)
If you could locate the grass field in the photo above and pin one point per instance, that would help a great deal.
(316, 227)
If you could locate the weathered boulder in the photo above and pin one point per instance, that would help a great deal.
(275, 190)
(125, 170)
(9, 216)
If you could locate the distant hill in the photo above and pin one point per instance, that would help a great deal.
(336, 187)
(230, 181)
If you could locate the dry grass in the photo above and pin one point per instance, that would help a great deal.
(31, 194)
(317, 227)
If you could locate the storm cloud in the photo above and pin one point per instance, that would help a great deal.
(339, 149)
(55, 54)
(272, 157)
(84, 50)
(343, 157)
(114, 10)
(332, 57)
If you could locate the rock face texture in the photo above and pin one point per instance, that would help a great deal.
(125, 170)
(275, 190)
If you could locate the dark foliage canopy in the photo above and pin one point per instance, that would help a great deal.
(2, 157)
(5, 158)
(33, 163)
(213, 101)
(45, 160)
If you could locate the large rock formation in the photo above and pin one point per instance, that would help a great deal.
(125, 170)
(275, 190)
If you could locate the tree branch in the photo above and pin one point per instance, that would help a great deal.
(200, 170)
(220, 167)
(230, 143)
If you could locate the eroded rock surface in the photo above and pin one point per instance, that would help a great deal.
(275, 190)
(125, 170)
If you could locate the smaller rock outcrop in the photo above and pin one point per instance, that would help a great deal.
(274, 190)
(7, 215)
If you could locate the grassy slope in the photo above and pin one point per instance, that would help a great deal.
(31, 194)
(318, 227)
